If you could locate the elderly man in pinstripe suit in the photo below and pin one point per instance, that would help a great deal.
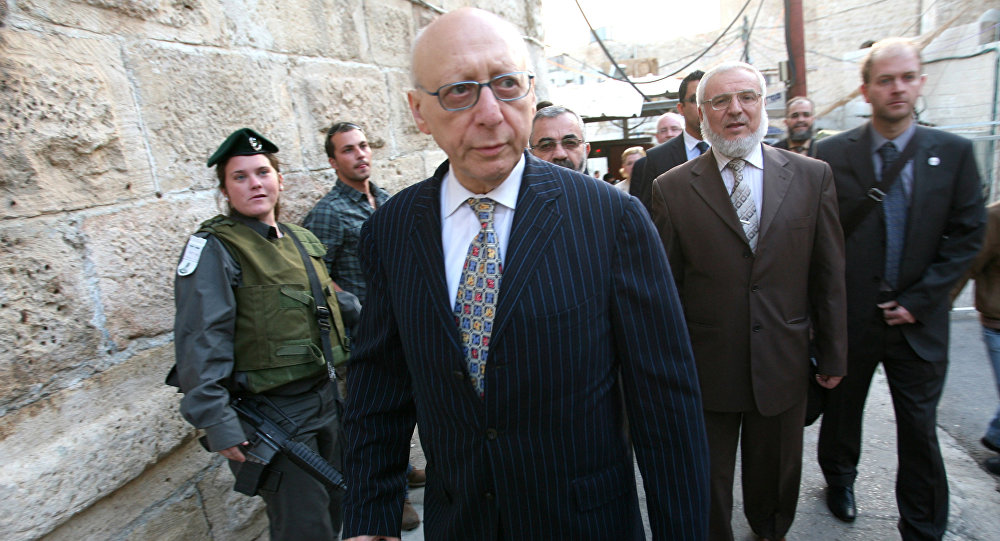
(519, 311)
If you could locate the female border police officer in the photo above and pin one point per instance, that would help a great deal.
(245, 327)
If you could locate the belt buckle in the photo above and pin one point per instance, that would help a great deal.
(876, 194)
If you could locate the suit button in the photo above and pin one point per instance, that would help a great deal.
(755, 288)
(491, 434)
(756, 328)
(877, 279)
(459, 375)
(746, 255)
(488, 495)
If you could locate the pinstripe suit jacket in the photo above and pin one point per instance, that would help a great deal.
(588, 329)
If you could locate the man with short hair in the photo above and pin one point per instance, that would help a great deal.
(666, 156)
(668, 126)
(913, 217)
(755, 248)
(557, 137)
(519, 311)
(799, 123)
(336, 220)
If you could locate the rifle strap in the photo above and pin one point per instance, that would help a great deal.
(323, 315)
(877, 190)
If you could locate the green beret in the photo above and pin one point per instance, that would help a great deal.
(242, 142)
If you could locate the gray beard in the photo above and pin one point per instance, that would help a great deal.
(736, 148)
(800, 136)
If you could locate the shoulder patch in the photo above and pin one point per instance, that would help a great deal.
(313, 245)
(209, 224)
(192, 253)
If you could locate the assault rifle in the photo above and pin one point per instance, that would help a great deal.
(269, 439)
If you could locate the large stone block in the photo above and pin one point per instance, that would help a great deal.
(165, 498)
(232, 516)
(134, 253)
(328, 92)
(331, 29)
(190, 21)
(390, 32)
(302, 191)
(69, 135)
(47, 331)
(394, 175)
(62, 454)
(405, 137)
(192, 99)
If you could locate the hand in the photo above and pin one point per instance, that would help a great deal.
(895, 314)
(828, 382)
(372, 538)
(234, 453)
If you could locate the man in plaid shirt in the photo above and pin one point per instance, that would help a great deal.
(337, 218)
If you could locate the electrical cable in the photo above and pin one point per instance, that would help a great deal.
(608, 53)
(705, 51)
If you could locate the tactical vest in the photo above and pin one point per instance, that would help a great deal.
(277, 338)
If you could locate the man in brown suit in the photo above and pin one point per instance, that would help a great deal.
(757, 252)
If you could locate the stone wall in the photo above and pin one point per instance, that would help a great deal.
(108, 111)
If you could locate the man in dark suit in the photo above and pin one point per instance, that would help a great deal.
(757, 254)
(903, 256)
(666, 156)
(569, 322)
(799, 123)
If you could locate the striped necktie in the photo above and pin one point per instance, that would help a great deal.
(746, 211)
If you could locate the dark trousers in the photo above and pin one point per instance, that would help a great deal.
(916, 386)
(300, 508)
(771, 452)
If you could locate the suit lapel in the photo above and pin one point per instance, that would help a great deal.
(536, 220)
(923, 173)
(860, 156)
(707, 182)
(426, 244)
(777, 180)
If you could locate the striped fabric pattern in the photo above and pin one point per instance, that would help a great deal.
(588, 330)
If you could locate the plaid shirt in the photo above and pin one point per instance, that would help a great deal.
(336, 220)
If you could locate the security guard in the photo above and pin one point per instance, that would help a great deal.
(246, 327)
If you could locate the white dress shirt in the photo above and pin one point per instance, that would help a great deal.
(753, 173)
(690, 145)
(459, 224)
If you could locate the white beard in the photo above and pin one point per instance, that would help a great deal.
(735, 148)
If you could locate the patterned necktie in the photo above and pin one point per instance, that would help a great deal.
(894, 207)
(702, 147)
(476, 301)
(746, 211)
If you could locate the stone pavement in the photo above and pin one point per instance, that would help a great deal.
(975, 500)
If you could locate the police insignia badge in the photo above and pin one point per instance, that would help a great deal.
(192, 253)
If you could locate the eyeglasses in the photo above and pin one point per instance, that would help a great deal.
(465, 94)
(746, 97)
(569, 143)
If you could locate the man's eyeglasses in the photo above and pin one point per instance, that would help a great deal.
(569, 143)
(465, 94)
(746, 98)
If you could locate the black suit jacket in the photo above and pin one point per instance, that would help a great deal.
(945, 227)
(588, 329)
(658, 160)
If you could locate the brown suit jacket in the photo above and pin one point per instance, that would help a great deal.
(749, 314)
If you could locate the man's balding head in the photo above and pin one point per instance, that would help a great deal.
(485, 140)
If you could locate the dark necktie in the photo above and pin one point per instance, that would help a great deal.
(702, 147)
(894, 207)
(476, 301)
